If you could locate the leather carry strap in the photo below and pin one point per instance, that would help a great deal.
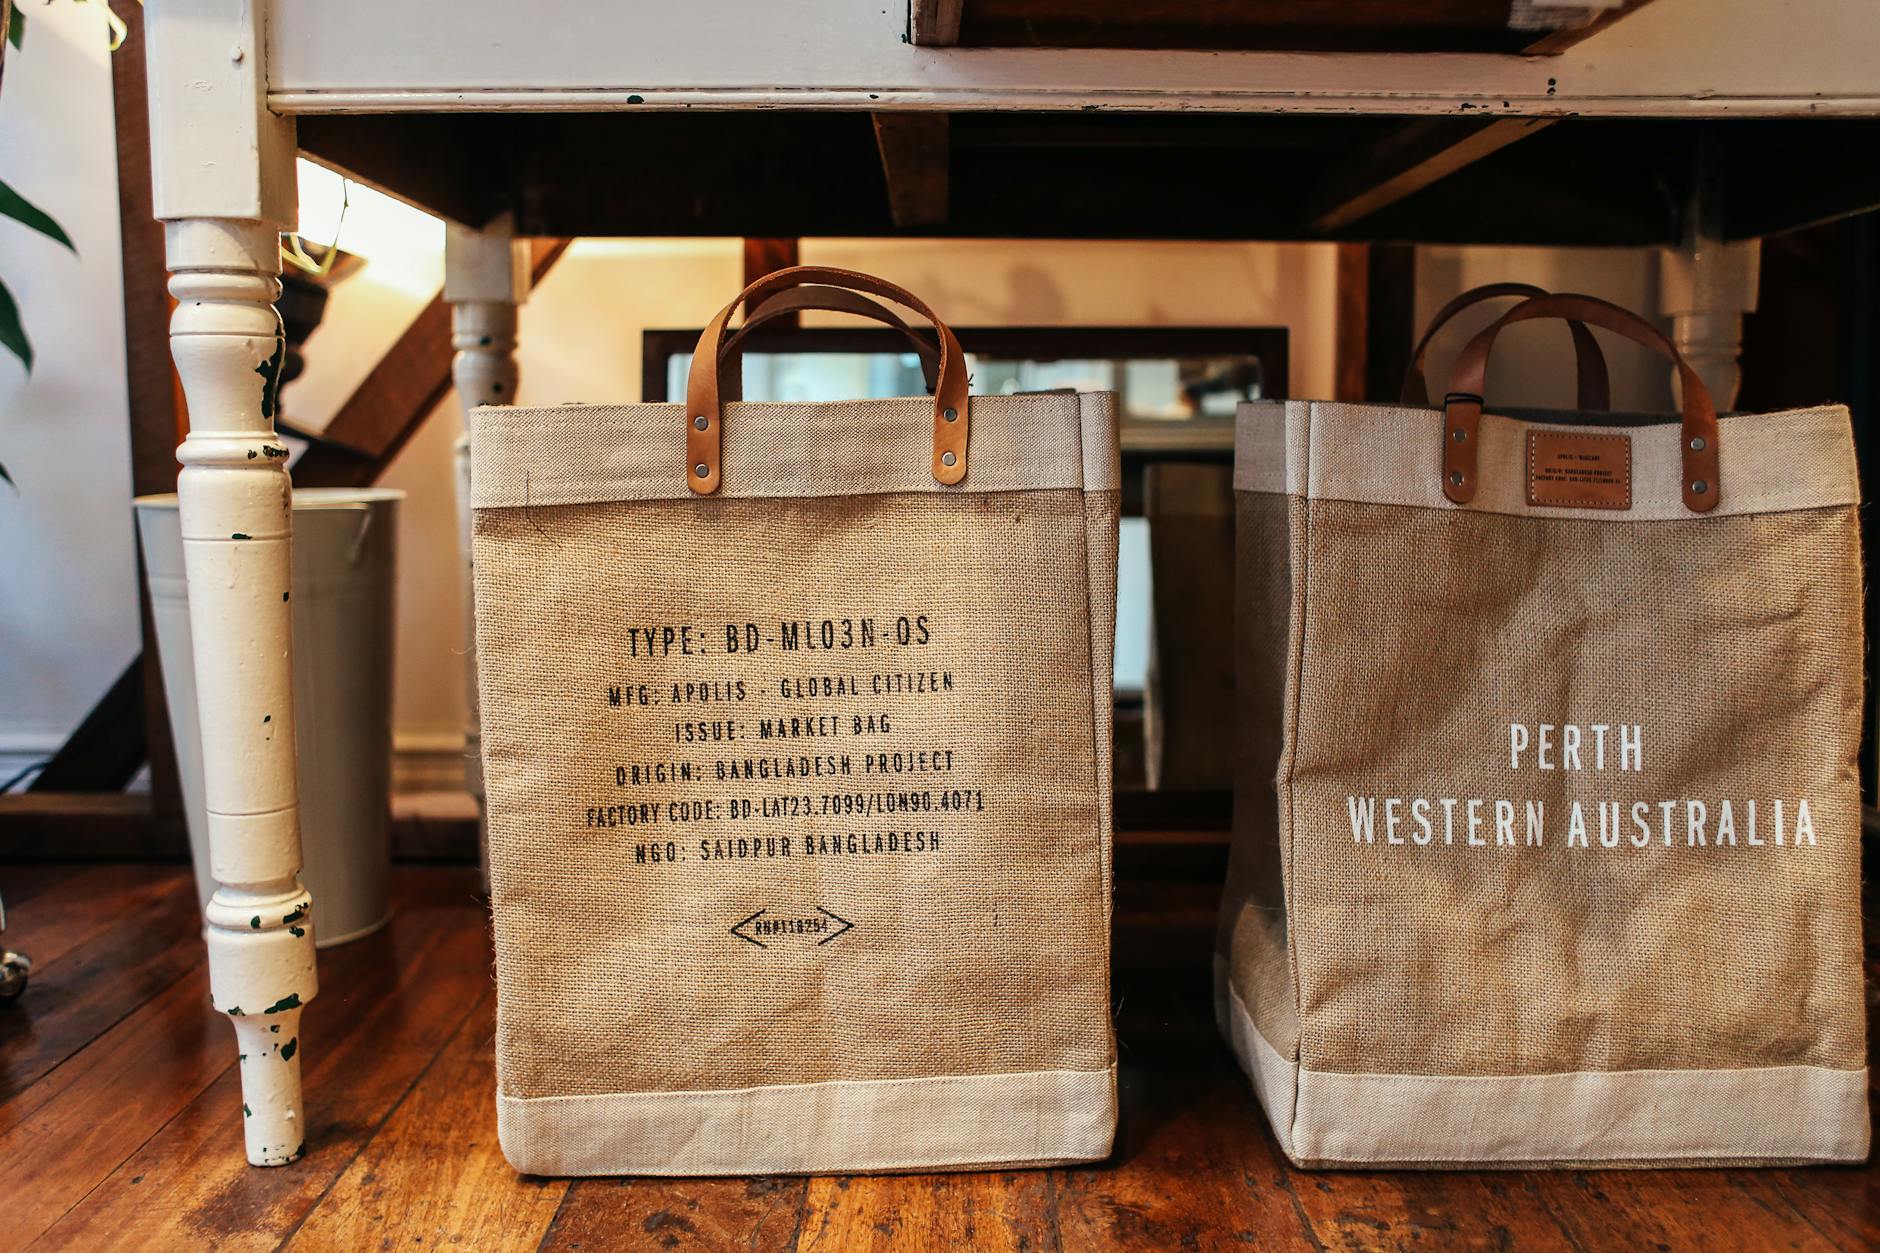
(1462, 408)
(832, 300)
(1595, 387)
(703, 414)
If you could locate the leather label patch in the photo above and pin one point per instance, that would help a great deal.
(1577, 471)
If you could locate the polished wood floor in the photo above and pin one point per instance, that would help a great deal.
(119, 1113)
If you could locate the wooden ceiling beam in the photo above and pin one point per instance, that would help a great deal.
(1267, 25)
(1406, 161)
(1554, 42)
(766, 255)
(916, 158)
(935, 23)
(436, 162)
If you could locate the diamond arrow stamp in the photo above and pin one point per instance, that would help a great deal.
(846, 926)
(819, 928)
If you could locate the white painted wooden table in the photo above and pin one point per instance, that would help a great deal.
(228, 78)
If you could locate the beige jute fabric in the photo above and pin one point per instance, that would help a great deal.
(1547, 826)
(799, 793)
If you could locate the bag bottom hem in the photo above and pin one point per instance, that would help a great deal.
(1766, 1116)
(947, 1122)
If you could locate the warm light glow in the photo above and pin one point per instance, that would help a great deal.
(405, 246)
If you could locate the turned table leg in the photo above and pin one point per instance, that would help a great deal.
(1706, 284)
(486, 275)
(1705, 287)
(234, 503)
(222, 182)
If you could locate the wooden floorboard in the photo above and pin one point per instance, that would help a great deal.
(120, 1125)
(389, 1002)
(96, 961)
(433, 1174)
(67, 905)
(21, 881)
(679, 1214)
(88, 1115)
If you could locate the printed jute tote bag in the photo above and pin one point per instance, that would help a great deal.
(1546, 842)
(796, 727)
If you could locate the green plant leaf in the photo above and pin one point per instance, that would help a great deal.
(16, 32)
(12, 331)
(22, 210)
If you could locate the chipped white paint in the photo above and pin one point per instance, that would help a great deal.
(224, 178)
(486, 275)
(219, 152)
(1673, 58)
(1705, 287)
(233, 500)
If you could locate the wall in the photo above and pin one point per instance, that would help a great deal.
(1533, 364)
(68, 606)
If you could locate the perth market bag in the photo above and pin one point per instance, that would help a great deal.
(1547, 849)
(796, 732)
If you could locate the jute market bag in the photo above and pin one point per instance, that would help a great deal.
(1548, 845)
(798, 759)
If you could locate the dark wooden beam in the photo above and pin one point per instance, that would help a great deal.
(151, 386)
(935, 23)
(1558, 41)
(1582, 182)
(1375, 311)
(1390, 26)
(766, 255)
(1390, 319)
(1061, 188)
(87, 826)
(1351, 321)
(1406, 161)
(434, 161)
(1758, 161)
(916, 159)
(385, 410)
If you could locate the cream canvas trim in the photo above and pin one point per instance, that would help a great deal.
(1037, 1118)
(586, 454)
(1688, 1117)
(1386, 455)
(1275, 1078)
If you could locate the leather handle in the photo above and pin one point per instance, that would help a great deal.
(828, 299)
(703, 409)
(1595, 386)
(1462, 408)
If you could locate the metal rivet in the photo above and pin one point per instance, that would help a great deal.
(1459, 435)
(1456, 478)
(1700, 487)
(947, 459)
(1697, 443)
(700, 422)
(701, 470)
(951, 415)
